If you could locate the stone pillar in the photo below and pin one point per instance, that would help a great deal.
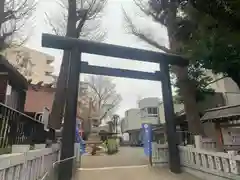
(198, 141)
(77, 154)
(234, 164)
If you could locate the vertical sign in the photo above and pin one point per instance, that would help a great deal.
(147, 139)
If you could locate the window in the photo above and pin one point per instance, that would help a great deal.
(48, 73)
(152, 110)
(49, 61)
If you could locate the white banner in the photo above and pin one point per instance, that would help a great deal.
(45, 118)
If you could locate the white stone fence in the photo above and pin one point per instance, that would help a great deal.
(159, 154)
(208, 144)
(28, 165)
(202, 163)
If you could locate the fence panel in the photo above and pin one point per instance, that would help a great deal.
(19, 128)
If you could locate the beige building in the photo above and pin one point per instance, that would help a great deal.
(34, 65)
(227, 87)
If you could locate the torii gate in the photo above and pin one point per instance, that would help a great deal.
(77, 47)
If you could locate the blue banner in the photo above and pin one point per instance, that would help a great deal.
(147, 139)
(81, 141)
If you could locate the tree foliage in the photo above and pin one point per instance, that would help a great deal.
(200, 79)
(170, 14)
(204, 32)
(214, 44)
(225, 12)
(196, 73)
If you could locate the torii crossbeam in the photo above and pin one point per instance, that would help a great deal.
(76, 47)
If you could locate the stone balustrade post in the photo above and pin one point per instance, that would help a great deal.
(198, 141)
(234, 164)
(77, 154)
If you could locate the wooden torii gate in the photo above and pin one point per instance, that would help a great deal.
(76, 48)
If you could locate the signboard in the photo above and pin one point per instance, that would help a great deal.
(147, 138)
(231, 136)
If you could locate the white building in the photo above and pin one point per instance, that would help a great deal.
(135, 117)
(148, 112)
(149, 108)
(32, 64)
(132, 119)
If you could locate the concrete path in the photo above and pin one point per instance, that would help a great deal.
(127, 156)
(128, 164)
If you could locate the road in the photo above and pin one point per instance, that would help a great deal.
(128, 164)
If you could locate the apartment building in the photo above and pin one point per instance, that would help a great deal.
(34, 65)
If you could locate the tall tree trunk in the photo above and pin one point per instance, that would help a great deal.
(58, 106)
(188, 93)
(60, 98)
(2, 5)
(187, 89)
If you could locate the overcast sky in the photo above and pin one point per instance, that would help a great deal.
(112, 22)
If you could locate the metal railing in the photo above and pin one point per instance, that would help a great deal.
(52, 174)
(19, 128)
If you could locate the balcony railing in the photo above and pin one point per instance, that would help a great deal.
(19, 128)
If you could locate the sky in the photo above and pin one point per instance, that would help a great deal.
(114, 24)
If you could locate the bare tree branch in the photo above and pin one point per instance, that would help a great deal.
(102, 89)
(141, 35)
(13, 16)
(87, 12)
(54, 29)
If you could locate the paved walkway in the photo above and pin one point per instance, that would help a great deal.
(128, 164)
